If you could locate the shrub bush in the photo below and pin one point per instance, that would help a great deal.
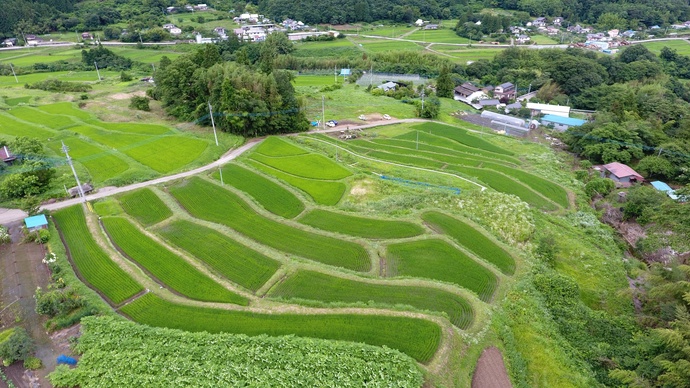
(5, 237)
(140, 103)
(33, 363)
(601, 186)
(17, 347)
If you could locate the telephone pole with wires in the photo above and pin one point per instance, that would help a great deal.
(65, 149)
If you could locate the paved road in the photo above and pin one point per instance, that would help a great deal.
(11, 215)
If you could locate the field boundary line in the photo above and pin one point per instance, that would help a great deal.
(400, 165)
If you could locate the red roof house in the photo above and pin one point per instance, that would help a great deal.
(621, 173)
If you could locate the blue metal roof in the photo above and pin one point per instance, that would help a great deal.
(661, 186)
(344, 71)
(564, 120)
(35, 221)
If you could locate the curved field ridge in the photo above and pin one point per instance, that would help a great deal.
(111, 347)
(322, 192)
(310, 166)
(101, 164)
(321, 287)
(39, 117)
(272, 196)
(145, 206)
(415, 337)
(91, 262)
(434, 142)
(360, 226)
(210, 202)
(12, 127)
(473, 240)
(230, 259)
(275, 146)
(165, 265)
(438, 260)
(461, 136)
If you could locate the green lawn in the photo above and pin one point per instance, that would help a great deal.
(227, 257)
(91, 263)
(472, 239)
(311, 285)
(437, 260)
(165, 266)
(213, 203)
(360, 226)
(272, 196)
(417, 338)
(145, 206)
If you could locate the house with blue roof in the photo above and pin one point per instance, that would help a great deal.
(560, 123)
(35, 223)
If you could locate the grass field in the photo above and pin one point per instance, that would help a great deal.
(415, 337)
(272, 196)
(315, 80)
(145, 206)
(339, 48)
(322, 192)
(388, 31)
(213, 203)
(164, 265)
(681, 46)
(311, 285)
(26, 58)
(81, 76)
(383, 45)
(360, 226)
(469, 237)
(445, 35)
(542, 39)
(90, 261)
(437, 260)
(465, 54)
(227, 257)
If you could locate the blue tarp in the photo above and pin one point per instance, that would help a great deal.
(36, 221)
(62, 359)
(661, 186)
(572, 122)
(344, 72)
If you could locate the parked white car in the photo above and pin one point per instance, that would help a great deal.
(386, 117)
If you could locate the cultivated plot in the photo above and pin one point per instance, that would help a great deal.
(360, 226)
(145, 206)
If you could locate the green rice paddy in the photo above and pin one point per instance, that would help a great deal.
(360, 226)
(145, 206)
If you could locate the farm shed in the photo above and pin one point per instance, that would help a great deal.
(36, 222)
(491, 102)
(620, 173)
(388, 86)
(662, 186)
(85, 187)
(548, 109)
(561, 123)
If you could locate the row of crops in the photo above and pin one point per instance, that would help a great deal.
(108, 151)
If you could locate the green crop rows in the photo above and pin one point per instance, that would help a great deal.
(90, 260)
(472, 239)
(145, 206)
(441, 141)
(38, 117)
(229, 258)
(272, 196)
(275, 146)
(436, 259)
(310, 166)
(322, 192)
(12, 127)
(321, 287)
(101, 164)
(213, 203)
(168, 153)
(461, 136)
(165, 265)
(360, 226)
(417, 338)
(66, 108)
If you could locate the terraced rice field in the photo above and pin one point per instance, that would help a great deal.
(272, 196)
(210, 202)
(322, 192)
(275, 146)
(437, 260)
(310, 285)
(310, 166)
(469, 237)
(360, 226)
(165, 266)
(227, 257)
(38, 117)
(417, 338)
(99, 162)
(461, 136)
(91, 262)
(11, 127)
(145, 206)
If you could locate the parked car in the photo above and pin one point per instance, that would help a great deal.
(362, 117)
(331, 123)
(386, 117)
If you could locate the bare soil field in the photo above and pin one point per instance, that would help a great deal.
(490, 371)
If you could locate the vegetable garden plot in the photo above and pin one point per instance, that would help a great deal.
(415, 337)
(101, 164)
(438, 260)
(275, 146)
(38, 117)
(473, 240)
(91, 262)
(236, 262)
(210, 202)
(311, 285)
(360, 226)
(310, 166)
(145, 206)
(461, 136)
(322, 192)
(272, 196)
(169, 268)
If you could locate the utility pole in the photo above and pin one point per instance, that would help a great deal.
(422, 102)
(97, 71)
(13, 73)
(154, 67)
(371, 74)
(65, 149)
(213, 123)
(323, 111)
(220, 170)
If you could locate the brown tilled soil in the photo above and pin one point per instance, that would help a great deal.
(490, 371)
